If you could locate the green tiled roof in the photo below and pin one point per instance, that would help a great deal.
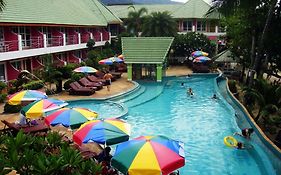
(191, 9)
(68, 12)
(146, 50)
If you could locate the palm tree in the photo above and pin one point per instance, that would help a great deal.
(135, 20)
(159, 24)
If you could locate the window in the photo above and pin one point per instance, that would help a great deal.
(48, 32)
(16, 65)
(201, 26)
(187, 26)
(78, 53)
(2, 72)
(25, 35)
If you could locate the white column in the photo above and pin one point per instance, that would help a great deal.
(20, 42)
(109, 37)
(91, 36)
(217, 29)
(101, 37)
(44, 40)
(64, 39)
(79, 38)
(193, 28)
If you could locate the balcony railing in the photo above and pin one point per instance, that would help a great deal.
(42, 41)
(7, 46)
(72, 39)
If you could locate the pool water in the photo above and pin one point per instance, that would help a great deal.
(104, 109)
(200, 122)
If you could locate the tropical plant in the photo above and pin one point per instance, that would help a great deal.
(135, 20)
(90, 44)
(27, 154)
(185, 44)
(159, 24)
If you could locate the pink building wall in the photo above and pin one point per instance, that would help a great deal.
(36, 64)
(97, 35)
(12, 73)
(72, 36)
(11, 39)
(57, 37)
(105, 35)
(36, 38)
(72, 58)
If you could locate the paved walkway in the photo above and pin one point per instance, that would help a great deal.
(118, 86)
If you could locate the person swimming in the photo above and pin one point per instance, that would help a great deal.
(190, 92)
(246, 132)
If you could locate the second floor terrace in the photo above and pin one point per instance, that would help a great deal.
(24, 41)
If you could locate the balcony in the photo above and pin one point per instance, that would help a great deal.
(42, 45)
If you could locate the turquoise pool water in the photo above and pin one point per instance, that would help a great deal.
(199, 121)
(104, 109)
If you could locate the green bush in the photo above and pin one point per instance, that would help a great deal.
(232, 86)
(3, 97)
(12, 108)
(50, 91)
(66, 85)
(12, 90)
(2, 85)
(67, 70)
(33, 85)
(77, 76)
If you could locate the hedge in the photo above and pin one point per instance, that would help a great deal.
(33, 85)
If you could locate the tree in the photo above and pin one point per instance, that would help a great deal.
(252, 7)
(135, 20)
(159, 24)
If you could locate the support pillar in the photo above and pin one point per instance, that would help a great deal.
(130, 71)
(19, 42)
(159, 73)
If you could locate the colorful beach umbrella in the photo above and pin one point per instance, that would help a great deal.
(153, 155)
(201, 59)
(85, 69)
(198, 54)
(111, 60)
(108, 131)
(26, 95)
(70, 117)
(38, 108)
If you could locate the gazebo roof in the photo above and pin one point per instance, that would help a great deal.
(146, 50)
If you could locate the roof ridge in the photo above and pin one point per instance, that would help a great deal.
(94, 1)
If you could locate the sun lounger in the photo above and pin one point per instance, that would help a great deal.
(86, 152)
(86, 83)
(27, 129)
(77, 89)
(93, 78)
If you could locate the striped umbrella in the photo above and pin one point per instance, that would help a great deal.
(85, 69)
(38, 108)
(201, 59)
(153, 155)
(26, 95)
(111, 60)
(198, 54)
(108, 131)
(70, 117)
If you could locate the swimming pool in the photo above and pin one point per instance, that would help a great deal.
(199, 121)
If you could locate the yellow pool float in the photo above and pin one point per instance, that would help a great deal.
(230, 141)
